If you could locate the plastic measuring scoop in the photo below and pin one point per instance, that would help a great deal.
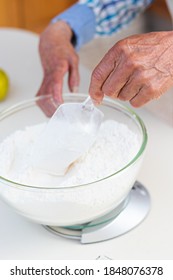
(69, 134)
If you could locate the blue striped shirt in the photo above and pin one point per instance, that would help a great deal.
(90, 18)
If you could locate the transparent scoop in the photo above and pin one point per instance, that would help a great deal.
(69, 134)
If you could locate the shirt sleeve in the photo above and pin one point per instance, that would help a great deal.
(81, 19)
(90, 18)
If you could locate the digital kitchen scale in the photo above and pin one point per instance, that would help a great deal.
(129, 214)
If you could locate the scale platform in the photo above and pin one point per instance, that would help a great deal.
(128, 215)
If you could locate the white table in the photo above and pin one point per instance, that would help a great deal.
(22, 239)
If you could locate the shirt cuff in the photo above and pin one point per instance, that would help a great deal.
(81, 20)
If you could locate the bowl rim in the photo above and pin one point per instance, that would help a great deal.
(130, 112)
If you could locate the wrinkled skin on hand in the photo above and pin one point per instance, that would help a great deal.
(58, 57)
(136, 69)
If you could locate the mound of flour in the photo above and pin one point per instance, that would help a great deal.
(115, 146)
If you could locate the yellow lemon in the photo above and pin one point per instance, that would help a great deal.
(4, 84)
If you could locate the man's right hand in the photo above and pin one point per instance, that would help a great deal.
(58, 57)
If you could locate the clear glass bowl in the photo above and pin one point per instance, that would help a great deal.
(74, 205)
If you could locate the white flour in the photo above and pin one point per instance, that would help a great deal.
(115, 147)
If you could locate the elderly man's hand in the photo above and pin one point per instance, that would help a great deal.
(138, 68)
(58, 57)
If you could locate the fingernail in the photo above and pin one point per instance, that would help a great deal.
(75, 89)
(96, 101)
